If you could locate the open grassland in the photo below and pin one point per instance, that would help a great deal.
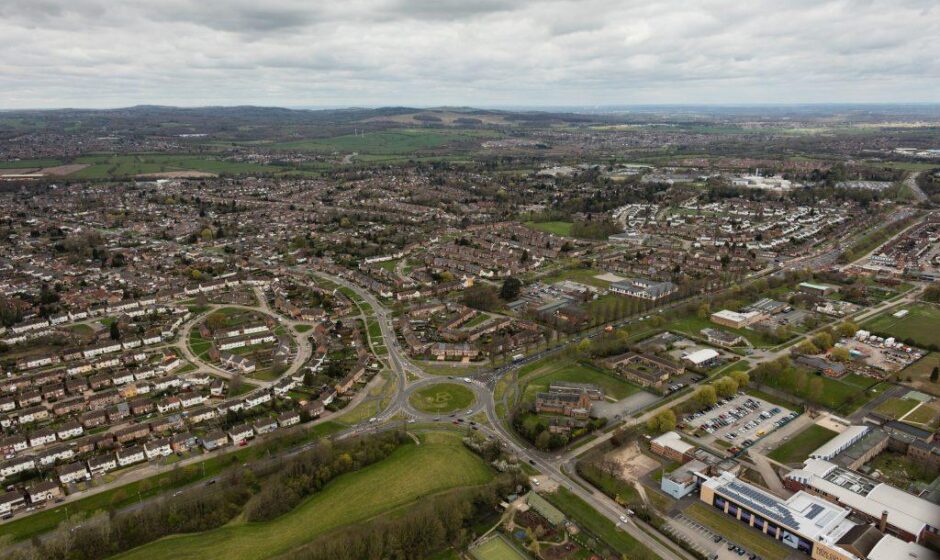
(566, 370)
(29, 163)
(390, 142)
(842, 396)
(921, 324)
(802, 444)
(896, 408)
(737, 532)
(693, 324)
(440, 463)
(924, 416)
(441, 398)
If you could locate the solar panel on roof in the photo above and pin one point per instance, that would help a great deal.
(814, 510)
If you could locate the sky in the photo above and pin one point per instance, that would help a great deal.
(483, 53)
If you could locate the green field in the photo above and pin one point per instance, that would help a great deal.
(919, 325)
(895, 408)
(496, 548)
(29, 163)
(109, 165)
(440, 463)
(390, 142)
(802, 444)
(558, 228)
(586, 516)
(46, 520)
(576, 372)
(924, 416)
(842, 396)
(919, 374)
(442, 397)
(693, 324)
(737, 532)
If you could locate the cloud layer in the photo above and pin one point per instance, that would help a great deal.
(101, 53)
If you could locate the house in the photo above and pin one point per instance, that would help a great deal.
(157, 448)
(183, 442)
(287, 419)
(73, 473)
(101, 464)
(214, 440)
(130, 455)
(240, 434)
(70, 430)
(565, 403)
(43, 491)
(41, 437)
(265, 425)
(11, 502)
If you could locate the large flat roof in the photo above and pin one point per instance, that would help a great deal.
(840, 442)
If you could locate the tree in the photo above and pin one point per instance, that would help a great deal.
(662, 422)
(823, 341)
(847, 329)
(706, 396)
(935, 374)
(511, 288)
(481, 296)
(726, 386)
(741, 377)
(840, 354)
(115, 331)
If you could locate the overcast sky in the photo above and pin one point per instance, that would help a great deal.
(112, 53)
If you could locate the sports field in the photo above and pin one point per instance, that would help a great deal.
(558, 228)
(496, 548)
(920, 324)
(442, 397)
(440, 463)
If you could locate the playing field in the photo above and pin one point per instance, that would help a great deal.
(441, 398)
(496, 548)
(920, 324)
(802, 444)
(440, 463)
(558, 228)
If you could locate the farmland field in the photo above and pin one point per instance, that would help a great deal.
(442, 397)
(802, 444)
(440, 463)
(919, 325)
(388, 142)
(109, 165)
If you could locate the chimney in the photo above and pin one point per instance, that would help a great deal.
(884, 521)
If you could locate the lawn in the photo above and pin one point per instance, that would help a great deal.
(586, 516)
(442, 397)
(29, 163)
(558, 228)
(496, 548)
(583, 275)
(303, 328)
(919, 325)
(440, 463)
(390, 142)
(896, 408)
(737, 532)
(798, 448)
(925, 416)
(576, 372)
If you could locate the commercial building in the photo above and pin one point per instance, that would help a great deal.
(735, 320)
(671, 446)
(643, 289)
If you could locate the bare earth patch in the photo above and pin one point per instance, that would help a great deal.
(633, 463)
(62, 170)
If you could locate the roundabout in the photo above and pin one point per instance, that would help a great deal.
(442, 398)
